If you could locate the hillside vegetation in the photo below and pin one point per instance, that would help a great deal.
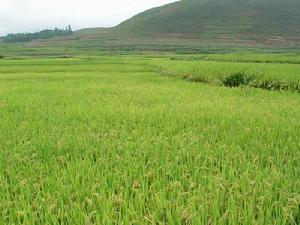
(249, 19)
(44, 34)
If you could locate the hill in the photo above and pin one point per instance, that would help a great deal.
(236, 19)
(186, 26)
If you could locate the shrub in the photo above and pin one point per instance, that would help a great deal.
(66, 56)
(1, 57)
(238, 79)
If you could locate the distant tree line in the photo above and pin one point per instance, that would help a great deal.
(44, 34)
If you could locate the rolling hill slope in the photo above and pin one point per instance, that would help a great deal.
(247, 19)
(186, 26)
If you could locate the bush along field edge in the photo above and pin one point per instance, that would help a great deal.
(236, 79)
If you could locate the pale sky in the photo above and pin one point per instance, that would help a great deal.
(35, 15)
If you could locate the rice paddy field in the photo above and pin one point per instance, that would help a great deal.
(113, 140)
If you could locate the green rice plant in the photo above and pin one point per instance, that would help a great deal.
(108, 140)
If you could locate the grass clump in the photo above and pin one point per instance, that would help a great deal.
(277, 85)
(238, 79)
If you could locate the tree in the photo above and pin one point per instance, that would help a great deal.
(44, 34)
(70, 29)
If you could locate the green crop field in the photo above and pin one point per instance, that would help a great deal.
(113, 140)
(276, 75)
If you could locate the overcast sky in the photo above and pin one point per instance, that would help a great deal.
(34, 15)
